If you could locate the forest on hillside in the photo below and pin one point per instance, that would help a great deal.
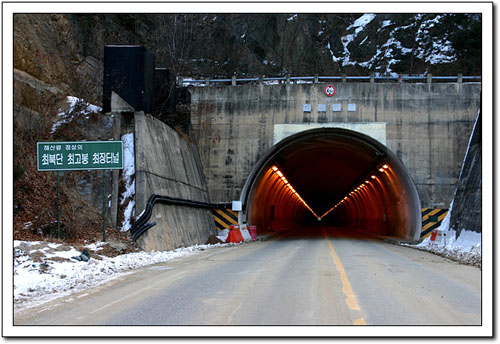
(221, 45)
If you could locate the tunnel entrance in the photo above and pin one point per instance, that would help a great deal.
(332, 177)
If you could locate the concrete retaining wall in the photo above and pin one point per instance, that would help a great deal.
(168, 164)
(466, 212)
(426, 125)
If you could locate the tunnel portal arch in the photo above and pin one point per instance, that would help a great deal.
(345, 177)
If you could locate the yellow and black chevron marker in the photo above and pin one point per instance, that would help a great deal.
(431, 219)
(224, 218)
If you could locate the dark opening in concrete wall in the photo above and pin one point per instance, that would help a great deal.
(343, 177)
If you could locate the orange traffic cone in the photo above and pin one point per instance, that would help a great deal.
(234, 235)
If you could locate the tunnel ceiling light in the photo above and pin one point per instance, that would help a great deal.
(287, 183)
(357, 189)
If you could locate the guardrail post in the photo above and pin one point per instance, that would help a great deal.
(372, 78)
(207, 81)
(316, 78)
(460, 78)
(180, 81)
(344, 78)
(233, 80)
(261, 79)
(429, 78)
(288, 79)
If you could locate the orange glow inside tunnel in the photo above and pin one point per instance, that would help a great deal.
(333, 177)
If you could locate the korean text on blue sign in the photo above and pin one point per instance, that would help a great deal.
(84, 155)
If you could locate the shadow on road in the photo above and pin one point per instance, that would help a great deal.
(317, 232)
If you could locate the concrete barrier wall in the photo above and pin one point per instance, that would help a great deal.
(168, 164)
(467, 204)
(426, 125)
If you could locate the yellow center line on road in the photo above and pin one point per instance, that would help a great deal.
(350, 299)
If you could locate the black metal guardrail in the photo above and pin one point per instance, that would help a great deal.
(141, 225)
(400, 78)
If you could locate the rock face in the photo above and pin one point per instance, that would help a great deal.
(48, 67)
(466, 212)
(47, 48)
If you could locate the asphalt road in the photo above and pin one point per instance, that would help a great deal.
(322, 278)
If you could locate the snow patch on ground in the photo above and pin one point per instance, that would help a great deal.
(56, 274)
(465, 249)
(128, 176)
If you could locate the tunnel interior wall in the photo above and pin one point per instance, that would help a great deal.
(427, 127)
(169, 165)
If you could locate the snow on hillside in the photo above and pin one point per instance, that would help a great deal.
(76, 107)
(359, 25)
(387, 49)
(433, 50)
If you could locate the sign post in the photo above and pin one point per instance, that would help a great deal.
(103, 205)
(81, 155)
(58, 208)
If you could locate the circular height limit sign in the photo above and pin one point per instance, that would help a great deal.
(329, 90)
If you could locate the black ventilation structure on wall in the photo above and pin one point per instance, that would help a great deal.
(129, 72)
(164, 99)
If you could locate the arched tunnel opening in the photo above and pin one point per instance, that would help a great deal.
(336, 178)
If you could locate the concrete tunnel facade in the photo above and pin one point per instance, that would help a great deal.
(333, 177)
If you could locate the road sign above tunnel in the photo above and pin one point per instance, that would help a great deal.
(329, 90)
